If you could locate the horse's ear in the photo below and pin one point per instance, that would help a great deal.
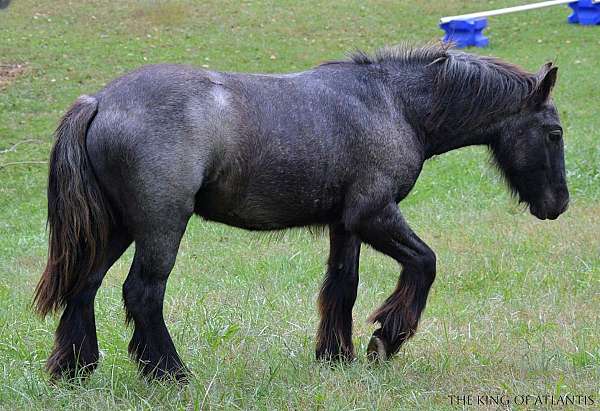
(546, 78)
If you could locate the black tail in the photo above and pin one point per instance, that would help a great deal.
(79, 216)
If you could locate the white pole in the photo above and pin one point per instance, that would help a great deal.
(505, 10)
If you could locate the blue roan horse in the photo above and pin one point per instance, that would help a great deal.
(339, 145)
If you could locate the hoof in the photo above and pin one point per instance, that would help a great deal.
(155, 366)
(64, 364)
(173, 373)
(376, 350)
(179, 376)
(70, 374)
(343, 357)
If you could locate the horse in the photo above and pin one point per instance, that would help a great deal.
(336, 146)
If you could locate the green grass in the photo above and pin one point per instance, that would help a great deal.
(515, 307)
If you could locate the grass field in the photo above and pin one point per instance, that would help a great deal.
(515, 309)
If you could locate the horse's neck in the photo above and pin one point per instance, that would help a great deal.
(418, 109)
(442, 142)
(455, 134)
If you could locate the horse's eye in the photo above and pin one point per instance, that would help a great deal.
(555, 135)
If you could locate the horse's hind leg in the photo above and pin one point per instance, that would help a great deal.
(399, 315)
(75, 345)
(337, 297)
(156, 246)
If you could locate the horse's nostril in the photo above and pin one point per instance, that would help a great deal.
(537, 211)
(553, 215)
(564, 207)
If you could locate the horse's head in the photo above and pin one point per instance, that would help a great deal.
(529, 151)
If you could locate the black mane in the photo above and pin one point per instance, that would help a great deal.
(467, 88)
(402, 53)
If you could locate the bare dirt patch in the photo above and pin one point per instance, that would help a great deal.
(162, 14)
(9, 72)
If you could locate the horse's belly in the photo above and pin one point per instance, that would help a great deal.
(267, 210)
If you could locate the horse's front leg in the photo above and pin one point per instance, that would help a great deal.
(338, 293)
(388, 232)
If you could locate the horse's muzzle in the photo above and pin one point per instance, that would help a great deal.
(546, 213)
